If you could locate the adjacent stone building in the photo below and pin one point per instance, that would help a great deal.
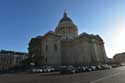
(9, 59)
(119, 58)
(65, 46)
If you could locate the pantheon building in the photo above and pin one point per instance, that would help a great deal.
(65, 46)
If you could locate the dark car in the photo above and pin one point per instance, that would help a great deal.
(81, 68)
(88, 68)
(99, 67)
(68, 70)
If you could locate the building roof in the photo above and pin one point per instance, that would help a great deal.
(12, 52)
(51, 33)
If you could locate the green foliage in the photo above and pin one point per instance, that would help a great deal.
(26, 61)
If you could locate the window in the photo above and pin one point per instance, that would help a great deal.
(46, 48)
(46, 60)
(55, 47)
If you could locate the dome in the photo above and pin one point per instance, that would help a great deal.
(65, 18)
(66, 28)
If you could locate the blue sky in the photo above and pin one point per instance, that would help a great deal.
(20, 20)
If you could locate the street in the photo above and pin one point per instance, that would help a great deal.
(114, 75)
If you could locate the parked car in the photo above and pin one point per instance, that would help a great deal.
(93, 68)
(106, 66)
(48, 68)
(81, 68)
(35, 70)
(88, 68)
(99, 67)
(68, 70)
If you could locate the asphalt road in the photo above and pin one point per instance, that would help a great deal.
(114, 75)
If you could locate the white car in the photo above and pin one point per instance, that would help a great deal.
(37, 70)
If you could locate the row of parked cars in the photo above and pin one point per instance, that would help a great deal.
(78, 69)
(69, 69)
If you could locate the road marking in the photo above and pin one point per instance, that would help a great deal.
(103, 78)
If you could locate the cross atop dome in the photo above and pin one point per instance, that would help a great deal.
(65, 14)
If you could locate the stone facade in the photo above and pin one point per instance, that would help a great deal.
(9, 59)
(85, 49)
(119, 58)
(65, 46)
